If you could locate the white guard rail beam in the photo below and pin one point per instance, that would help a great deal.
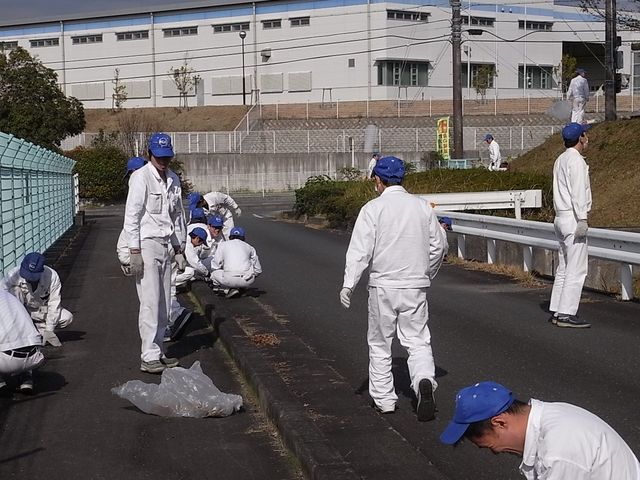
(516, 199)
(613, 245)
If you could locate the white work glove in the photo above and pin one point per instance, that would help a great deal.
(137, 267)
(180, 261)
(51, 338)
(248, 276)
(238, 212)
(581, 230)
(345, 297)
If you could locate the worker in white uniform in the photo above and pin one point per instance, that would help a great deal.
(495, 158)
(215, 225)
(386, 229)
(20, 343)
(372, 163)
(197, 255)
(572, 203)
(218, 203)
(39, 289)
(557, 441)
(154, 223)
(235, 264)
(579, 92)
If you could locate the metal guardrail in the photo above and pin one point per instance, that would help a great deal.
(36, 198)
(505, 199)
(613, 245)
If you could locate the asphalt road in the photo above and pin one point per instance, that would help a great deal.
(484, 327)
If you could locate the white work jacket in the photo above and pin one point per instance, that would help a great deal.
(565, 442)
(154, 208)
(16, 327)
(236, 257)
(494, 155)
(194, 256)
(571, 187)
(122, 248)
(578, 88)
(206, 251)
(43, 304)
(220, 202)
(401, 237)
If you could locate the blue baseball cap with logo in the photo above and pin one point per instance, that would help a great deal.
(476, 403)
(200, 233)
(160, 145)
(389, 169)
(216, 221)
(446, 220)
(574, 131)
(198, 214)
(32, 266)
(237, 232)
(133, 164)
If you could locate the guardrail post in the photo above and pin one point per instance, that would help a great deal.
(527, 258)
(626, 281)
(491, 251)
(518, 204)
(462, 246)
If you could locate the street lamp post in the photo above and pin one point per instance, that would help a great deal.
(243, 35)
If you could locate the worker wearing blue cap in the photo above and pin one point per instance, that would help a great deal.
(572, 203)
(578, 93)
(557, 441)
(222, 204)
(235, 264)
(386, 229)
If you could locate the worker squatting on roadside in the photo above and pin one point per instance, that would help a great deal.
(386, 229)
(154, 224)
(216, 204)
(557, 441)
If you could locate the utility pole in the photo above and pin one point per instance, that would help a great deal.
(610, 53)
(456, 40)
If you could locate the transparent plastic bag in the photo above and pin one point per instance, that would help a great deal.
(182, 393)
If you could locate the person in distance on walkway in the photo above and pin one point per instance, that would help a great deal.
(154, 223)
(572, 203)
(495, 158)
(39, 289)
(557, 441)
(579, 92)
(235, 264)
(372, 163)
(386, 229)
(20, 343)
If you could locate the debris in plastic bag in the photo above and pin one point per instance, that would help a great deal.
(182, 393)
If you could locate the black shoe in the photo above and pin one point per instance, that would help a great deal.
(571, 321)
(426, 407)
(381, 411)
(177, 329)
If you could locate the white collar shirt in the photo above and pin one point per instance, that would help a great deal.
(571, 186)
(566, 442)
(494, 153)
(400, 236)
(578, 87)
(154, 208)
(16, 327)
(219, 202)
(237, 257)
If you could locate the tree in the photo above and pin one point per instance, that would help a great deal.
(32, 106)
(483, 80)
(119, 95)
(565, 71)
(186, 80)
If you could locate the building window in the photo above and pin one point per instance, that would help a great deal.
(271, 24)
(300, 21)
(180, 32)
(404, 74)
(352, 63)
(86, 39)
(407, 15)
(535, 25)
(539, 77)
(478, 21)
(8, 45)
(45, 42)
(231, 27)
(141, 35)
(485, 70)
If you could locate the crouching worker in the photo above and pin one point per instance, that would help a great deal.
(19, 344)
(197, 256)
(235, 264)
(38, 287)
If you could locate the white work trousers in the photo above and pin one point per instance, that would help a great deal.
(223, 279)
(12, 365)
(401, 311)
(176, 308)
(154, 293)
(573, 264)
(66, 318)
(577, 110)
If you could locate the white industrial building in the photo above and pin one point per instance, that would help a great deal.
(300, 51)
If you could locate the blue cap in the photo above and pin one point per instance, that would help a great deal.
(488, 136)
(237, 231)
(198, 214)
(193, 198)
(200, 233)
(476, 403)
(160, 145)
(216, 221)
(32, 266)
(580, 71)
(446, 221)
(574, 131)
(389, 169)
(134, 163)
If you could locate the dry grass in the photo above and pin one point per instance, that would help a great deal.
(526, 279)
